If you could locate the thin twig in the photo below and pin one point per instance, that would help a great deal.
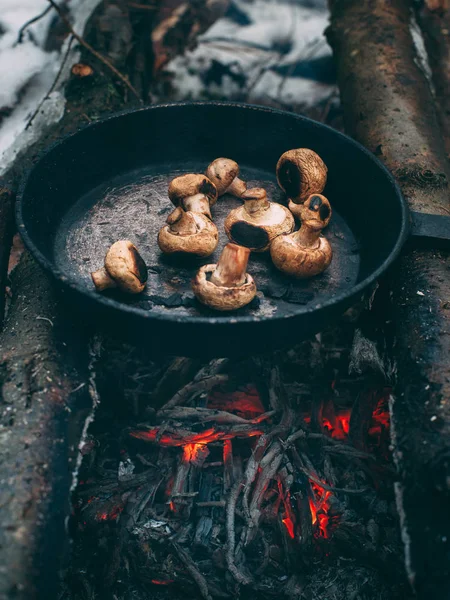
(193, 570)
(231, 535)
(30, 22)
(330, 488)
(194, 388)
(92, 50)
(53, 86)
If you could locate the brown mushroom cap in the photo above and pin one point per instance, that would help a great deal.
(189, 233)
(226, 285)
(320, 202)
(223, 172)
(305, 253)
(220, 297)
(258, 221)
(191, 185)
(124, 268)
(300, 173)
(299, 261)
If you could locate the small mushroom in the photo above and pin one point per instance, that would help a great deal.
(124, 268)
(193, 192)
(258, 221)
(297, 209)
(226, 285)
(223, 172)
(188, 232)
(305, 252)
(300, 173)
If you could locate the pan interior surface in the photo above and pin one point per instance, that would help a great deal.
(135, 205)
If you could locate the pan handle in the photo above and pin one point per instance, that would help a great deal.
(430, 230)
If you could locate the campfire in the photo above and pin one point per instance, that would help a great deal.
(232, 485)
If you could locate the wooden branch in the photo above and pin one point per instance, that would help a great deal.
(386, 99)
(435, 24)
(389, 108)
(40, 413)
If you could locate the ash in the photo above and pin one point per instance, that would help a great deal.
(226, 478)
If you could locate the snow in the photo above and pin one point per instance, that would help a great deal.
(27, 71)
(258, 53)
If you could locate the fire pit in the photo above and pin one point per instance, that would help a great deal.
(235, 486)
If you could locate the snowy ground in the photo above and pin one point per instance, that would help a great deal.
(262, 51)
(27, 72)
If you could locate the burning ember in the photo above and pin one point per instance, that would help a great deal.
(232, 486)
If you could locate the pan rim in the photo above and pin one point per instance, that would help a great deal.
(234, 318)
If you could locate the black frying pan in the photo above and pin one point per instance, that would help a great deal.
(109, 181)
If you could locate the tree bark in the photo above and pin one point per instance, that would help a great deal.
(386, 98)
(44, 397)
(388, 107)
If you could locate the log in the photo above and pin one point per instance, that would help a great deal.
(43, 401)
(389, 108)
(386, 99)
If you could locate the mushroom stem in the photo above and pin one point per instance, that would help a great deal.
(237, 188)
(307, 236)
(102, 280)
(256, 201)
(181, 222)
(231, 267)
(198, 203)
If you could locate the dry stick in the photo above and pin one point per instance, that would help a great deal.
(231, 535)
(30, 22)
(193, 570)
(195, 387)
(330, 488)
(53, 86)
(92, 50)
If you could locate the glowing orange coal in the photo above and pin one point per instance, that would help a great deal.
(191, 451)
(289, 524)
(319, 506)
(246, 404)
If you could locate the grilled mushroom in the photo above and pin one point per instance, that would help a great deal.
(297, 209)
(300, 173)
(223, 172)
(305, 253)
(188, 232)
(226, 285)
(124, 268)
(193, 192)
(258, 221)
